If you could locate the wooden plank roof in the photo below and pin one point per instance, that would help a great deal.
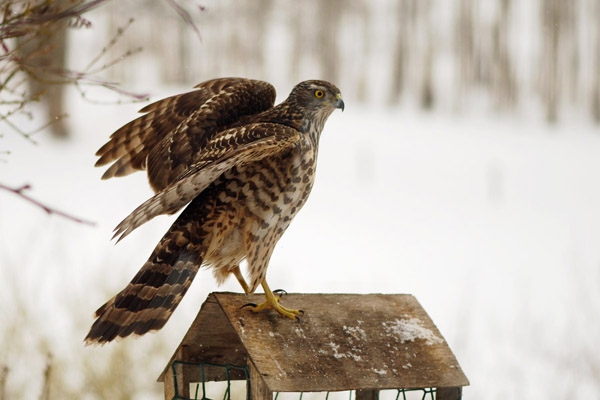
(343, 342)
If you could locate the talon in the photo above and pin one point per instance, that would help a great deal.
(273, 303)
(253, 305)
(279, 292)
(300, 312)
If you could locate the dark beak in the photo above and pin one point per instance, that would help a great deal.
(339, 103)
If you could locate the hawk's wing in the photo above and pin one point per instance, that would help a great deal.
(229, 148)
(174, 129)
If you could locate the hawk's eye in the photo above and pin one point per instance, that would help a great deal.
(319, 94)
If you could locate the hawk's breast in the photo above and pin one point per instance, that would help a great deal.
(260, 199)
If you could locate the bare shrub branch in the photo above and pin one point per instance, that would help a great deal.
(20, 191)
(27, 29)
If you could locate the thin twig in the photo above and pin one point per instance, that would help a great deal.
(3, 160)
(49, 210)
(186, 17)
(18, 130)
(135, 97)
(111, 43)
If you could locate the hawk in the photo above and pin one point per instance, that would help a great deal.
(245, 167)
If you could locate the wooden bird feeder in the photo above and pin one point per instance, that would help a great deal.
(367, 343)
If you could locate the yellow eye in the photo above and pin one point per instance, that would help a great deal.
(319, 94)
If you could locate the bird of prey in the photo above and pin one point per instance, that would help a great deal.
(243, 167)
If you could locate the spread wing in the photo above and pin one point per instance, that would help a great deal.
(232, 147)
(165, 139)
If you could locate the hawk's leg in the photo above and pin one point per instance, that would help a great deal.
(272, 303)
(240, 278)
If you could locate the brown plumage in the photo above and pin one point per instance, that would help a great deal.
(245, 168)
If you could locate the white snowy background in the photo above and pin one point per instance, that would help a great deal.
(491, 220)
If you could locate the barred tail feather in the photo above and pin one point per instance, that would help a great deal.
(148, 301)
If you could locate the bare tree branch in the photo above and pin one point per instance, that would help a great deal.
(49, 210)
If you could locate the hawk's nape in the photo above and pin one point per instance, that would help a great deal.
(245, 167)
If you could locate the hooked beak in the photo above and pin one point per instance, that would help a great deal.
(339, 103)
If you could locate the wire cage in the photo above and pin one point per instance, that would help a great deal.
(347, 347)
(238, 389)
(202, 390)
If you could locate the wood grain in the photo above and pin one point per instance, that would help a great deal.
(343, 342)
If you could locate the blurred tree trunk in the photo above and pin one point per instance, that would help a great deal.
(328, 31)
(44, 51)
(427, 93)
(504, 85)
(464, 41)
(595, 92)
(572, 43)
(549, 65)
(3, 376)
(559, 62)
(366, 16)
(405, 13)
(253, 33)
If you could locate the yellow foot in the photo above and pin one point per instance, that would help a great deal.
(272, 303)
(268, 305)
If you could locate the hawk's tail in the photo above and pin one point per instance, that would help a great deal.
(148, 301)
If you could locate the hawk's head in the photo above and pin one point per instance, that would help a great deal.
(317, 95)
(313, 102)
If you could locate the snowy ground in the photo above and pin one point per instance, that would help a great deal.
(493, 224)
